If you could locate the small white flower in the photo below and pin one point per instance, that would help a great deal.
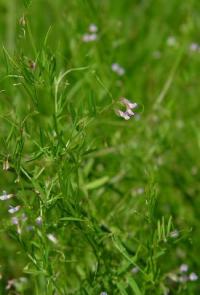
(89, 37)
(93, 28)
(184, 267)
(86, 38)
(135, 270)
(13, 210)
(130, 112)
(194, 47)
(193, 276)
(103, 293)
(118, 69)
(171, 41)
(93, 37)
(39, 220)
(174, 234)
(52, 238)
(115, 67)
(140, 190)
(6, 196)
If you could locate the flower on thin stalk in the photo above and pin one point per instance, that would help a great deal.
(91, 36)
(13, 210)
(116, 68)
(93, 28)
(183, 267)
(39, 220)
(128, 113)
(6, 196)
(193, 276)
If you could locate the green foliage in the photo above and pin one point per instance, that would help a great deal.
(102, 204)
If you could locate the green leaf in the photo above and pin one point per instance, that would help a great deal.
(97, 183)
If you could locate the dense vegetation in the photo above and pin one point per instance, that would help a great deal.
(99, 194)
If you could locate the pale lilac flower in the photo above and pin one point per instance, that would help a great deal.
(89, 37)
(39, 220)
(194, 47)
(135, 270)
(93, 28)
(130, 112)
(128, 103)
(123, 115)
(193, 276)
(129, 107)
(103, 293)
(114, 67)
(13, 210)
(6, 196)
(86, 37)
(118, 69)
(15, 220)
(52, 238)
(93, 37)
(184, 267)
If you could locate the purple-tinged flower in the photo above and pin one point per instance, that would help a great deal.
(93, 37)
(128, 104)
(118, 69)
(89, 37)
(15, 220)
(130, 112)
(13, 210)
(103, 293)
(123, 115)
(6, 196)
(129, 107)
(39, 220)
(194, 47)
(183, 267)
(93, 28)
(193, 276)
